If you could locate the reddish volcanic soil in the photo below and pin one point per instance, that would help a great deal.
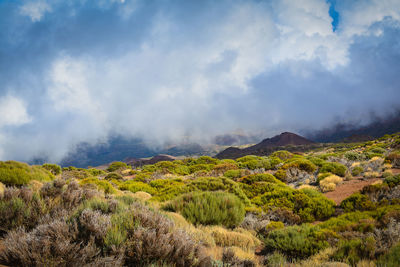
(396, 171)
(347, 188)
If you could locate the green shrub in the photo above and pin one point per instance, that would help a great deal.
(357, 201)
(393, 181)
(200, 167)
(316, 161)
(14, 173)
(233, 174)
(96, 172)
(274, 162)
(114, 175)
(334, 167)
(264, 177)
(352, 221)
(206, 160)
(353, 156)
(218, 184)
(134, 187)
(100, 184)
(209, 208)
(282, 155)
(297, 241)
(308, 204)
(356, 171)
(117, 165)
(352, 251)
(390, 259)
(53, 168)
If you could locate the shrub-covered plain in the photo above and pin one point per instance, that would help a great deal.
(252, 211)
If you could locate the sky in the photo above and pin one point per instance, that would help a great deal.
(166, 71)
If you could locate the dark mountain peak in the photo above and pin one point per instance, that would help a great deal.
(283, 139)
(268, 146)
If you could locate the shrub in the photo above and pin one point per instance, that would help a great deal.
(96, 172)
(117, 165)
(356, 171)
(357, 201)
(329, 183)
(307, 204)
(53, 168)
(387, 174)
(393, 181)
(275, 162)
(218, 184)
(200, 167)
(137, 186)
(113, 176)
(233, 174)
(316, 161)
(209, 208)
(353, 156)
(265, 177)
(18, 173)
(274, 226)
(333, 167)
(225, 238)
(352, 251)
(224, 167)
(297, 241)
(370, 175)
(102, 185)
(282, 154)
(390, 259)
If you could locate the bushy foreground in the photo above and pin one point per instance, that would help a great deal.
(73, 226)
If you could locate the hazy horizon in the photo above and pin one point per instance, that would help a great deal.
(75, 72)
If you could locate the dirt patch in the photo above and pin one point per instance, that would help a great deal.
(396, 171)
(347, 188)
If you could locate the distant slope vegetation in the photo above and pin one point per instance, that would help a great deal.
(289, 141)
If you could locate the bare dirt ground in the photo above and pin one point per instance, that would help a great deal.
(396, 171)
(347, 188)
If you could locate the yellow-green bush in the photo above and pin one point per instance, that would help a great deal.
(102, 185)
(18, 173)
(209, 208)
(218, 184)
(354, 250)
(357, 201)
(390, 259)
(117, 165)
(333, 167)
(308, 204)
(264, 177)
(297, 241)
(137, 186)
(53, 168)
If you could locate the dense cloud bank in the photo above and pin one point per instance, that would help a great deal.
(165, 71)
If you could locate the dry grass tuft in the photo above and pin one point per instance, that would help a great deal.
(225, 238)
(2, 188)
(329, 183)
(142, 195)
(371, 174)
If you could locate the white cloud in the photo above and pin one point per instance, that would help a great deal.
(13, 112)
(35, 9)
